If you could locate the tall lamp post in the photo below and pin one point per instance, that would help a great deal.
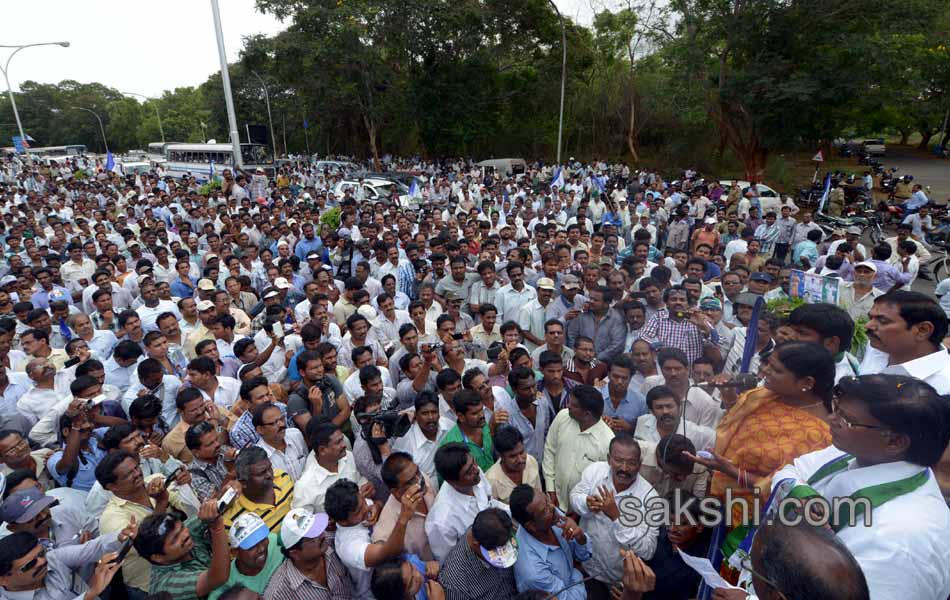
(226, 83)
(157, 114)
(6, 68)
(270, 122)
(101, 128)
(560, 121)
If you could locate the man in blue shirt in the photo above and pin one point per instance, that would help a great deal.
(622, 405)
(309, 243)
(548, 544)
(917, 199)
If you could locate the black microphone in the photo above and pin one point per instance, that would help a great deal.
(740, 381)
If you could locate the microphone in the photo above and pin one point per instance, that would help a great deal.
(740, 381)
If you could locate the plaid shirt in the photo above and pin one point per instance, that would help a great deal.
(97, 322)
(684, 335)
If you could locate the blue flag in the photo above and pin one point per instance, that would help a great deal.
(413, 189)
(601, 183)
(110, 162)
(824, 195)
(558, 179)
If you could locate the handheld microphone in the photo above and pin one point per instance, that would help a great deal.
(740, 381)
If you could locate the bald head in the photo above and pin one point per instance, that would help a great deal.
(805, 562)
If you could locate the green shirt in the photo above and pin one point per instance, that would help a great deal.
(258, 582)
(181, 579)
(484, 455)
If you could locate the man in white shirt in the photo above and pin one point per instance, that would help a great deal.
(665, 418)
(603, 487)
(906, 333)
(464, 493)
(887, 433)
(328, 462)
(425, 435)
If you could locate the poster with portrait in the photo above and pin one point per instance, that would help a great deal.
(813, 288)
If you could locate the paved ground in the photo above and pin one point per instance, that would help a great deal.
(927, 170)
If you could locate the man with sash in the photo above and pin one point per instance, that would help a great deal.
(887, 432)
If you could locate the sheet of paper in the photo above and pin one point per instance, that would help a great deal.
(705, 569)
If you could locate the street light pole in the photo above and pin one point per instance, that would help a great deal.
(270, 122)
(101, 128)
(157, 114)
(6, 68)
(226, 83)
(560, 121)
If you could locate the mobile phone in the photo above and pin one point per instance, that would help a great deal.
(171, 478)
(226, 500)
(126, 546)
(278, 329)
(71, 362)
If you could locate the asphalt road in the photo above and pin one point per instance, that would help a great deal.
(927, 170)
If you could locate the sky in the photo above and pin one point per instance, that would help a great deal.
(140, 46)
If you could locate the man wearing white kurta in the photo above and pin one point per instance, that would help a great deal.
(597, 498)
(886, 430)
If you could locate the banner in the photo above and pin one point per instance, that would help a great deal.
(813, 288)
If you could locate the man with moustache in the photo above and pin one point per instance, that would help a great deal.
(597, 497)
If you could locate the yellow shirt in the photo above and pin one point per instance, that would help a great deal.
(174, 440)
(272, 514)
(479, 334)
(502, 485)
(116, 516)
(568, 451)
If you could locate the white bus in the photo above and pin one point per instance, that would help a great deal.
(195, 159)
(157, 152)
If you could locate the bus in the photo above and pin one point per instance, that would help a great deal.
(53, 152)
(195, 159)
(156, 152)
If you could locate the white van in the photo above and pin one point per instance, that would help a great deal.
(510, 167)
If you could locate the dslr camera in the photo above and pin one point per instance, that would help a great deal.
(394, 424)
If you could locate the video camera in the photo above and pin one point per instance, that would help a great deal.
(394, 423)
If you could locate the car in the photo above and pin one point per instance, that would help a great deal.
(769, 199)
(506, 166)
(376, 189)
(874, 147)
(335, 166)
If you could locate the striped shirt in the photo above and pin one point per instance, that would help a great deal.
(272, 514)
(464, 575)
(180, 580)
(288, 583)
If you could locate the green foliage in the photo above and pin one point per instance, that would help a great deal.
(331, 218)
(782, 307)
(712, 85)
(207, 188)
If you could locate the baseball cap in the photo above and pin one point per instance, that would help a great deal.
(7, 280)
(58, 296)
(452, 297)
(711, 220)
(247, 531)
(313, 256)
(545, 283)
(282, 283)
(205, 284)
(205, 305)
(283, 243)
(291, 221)
(710, 303)
(24, 505)
(760, 276)
(501, 557)
(300, 524)
(605, 260)
(570, 282)
(271, 294)
(854, 230)
(867, 265)
(210, 257)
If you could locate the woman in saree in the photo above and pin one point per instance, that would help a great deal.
(770, 426)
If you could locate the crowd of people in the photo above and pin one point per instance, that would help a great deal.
(273, 391)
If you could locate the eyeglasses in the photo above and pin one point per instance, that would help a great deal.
(746, 564)
(848, 423)
(14, 448)
(278, 421)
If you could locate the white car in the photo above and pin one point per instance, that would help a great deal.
(375, 189)
(335, 166)
(874, 147)
(769, 199)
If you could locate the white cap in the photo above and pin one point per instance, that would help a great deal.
(282, 283)
(205, 305)
(247, 531)
(300, 524)
(867, 264)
